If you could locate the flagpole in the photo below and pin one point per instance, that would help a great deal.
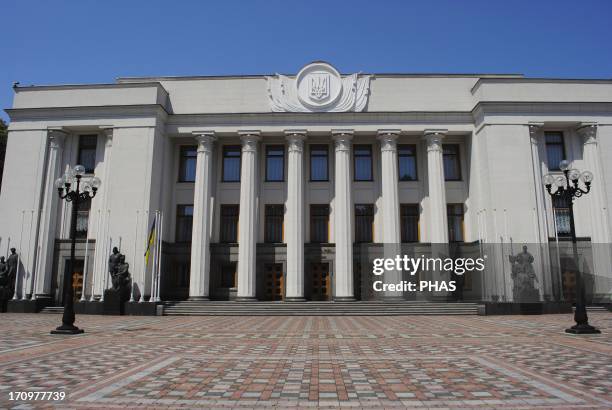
(19, 256)
(155, 257)
(134, 255)
(85, 268)
(95, 269)
(144, 272)
(24, 281)
(159, 264)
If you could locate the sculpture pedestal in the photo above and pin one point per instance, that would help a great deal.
(26, 305)
(114, 302)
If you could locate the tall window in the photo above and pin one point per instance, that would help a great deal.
(229, 223)
(562, 216)
(362, 157)
(187, 163)
(87, 152)
(231, 163)
(319, 163)
(319, 223)
(409, 215)
(452, 165)
(364, 221)
(184, 223)
(273, 232)
(82, 222)
(406, 155)
(555, 149)
(275, 163)
(455, 222)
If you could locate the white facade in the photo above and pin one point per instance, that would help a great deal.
(498, 122)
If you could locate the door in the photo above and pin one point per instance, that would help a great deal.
(274, 281)
(321, 281)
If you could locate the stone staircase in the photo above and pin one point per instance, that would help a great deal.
(369, 308)
(53, 309)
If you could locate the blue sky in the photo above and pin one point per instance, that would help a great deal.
(51, 42)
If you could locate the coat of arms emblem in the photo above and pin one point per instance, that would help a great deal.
(319, 86)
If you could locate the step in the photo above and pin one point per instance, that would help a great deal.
(317, 308)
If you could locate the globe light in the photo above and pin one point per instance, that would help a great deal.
(586, 177)
(59, 183)
(87, 187)
(548, 179)
(564, 165)
(561, 182)
(79, 170)
(95, 183)
(574, 175)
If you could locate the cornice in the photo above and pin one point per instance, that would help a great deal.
(59, 113)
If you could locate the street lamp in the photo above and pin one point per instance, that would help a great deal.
(76, 195)
(568, 189)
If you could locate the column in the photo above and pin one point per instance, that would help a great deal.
(102, 220)
(294, 216)
(247, 223)
(600, 223)
(199, 277)
(438, 221)
(390, 204)
(48, 216)
(343, 226)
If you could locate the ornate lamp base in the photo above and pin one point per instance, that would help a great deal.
(67, 330)
(583, 329)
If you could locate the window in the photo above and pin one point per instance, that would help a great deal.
(231, 163)
(406, 155)
(82, 221)
(362, 158)
(273, 232)
(228, 275)
(452, 166)
(87, 152)
(364, 220)
(275, 163)
(184, 223)
(555, 149)
(319, 163)
(409, 215)
(187, 163)
(562, 216)
(455, 222)
(229, 223)
(319, 223)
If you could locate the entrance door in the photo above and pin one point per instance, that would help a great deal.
(321, 281)
(274, 281)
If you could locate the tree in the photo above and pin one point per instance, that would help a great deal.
(3, 137)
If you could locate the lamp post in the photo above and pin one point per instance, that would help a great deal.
(568, 189)
(78, 193)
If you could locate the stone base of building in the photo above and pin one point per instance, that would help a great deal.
(28, 305)
(89, 308)
(141, 308)
(534, 308)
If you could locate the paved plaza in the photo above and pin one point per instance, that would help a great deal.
(398, 361)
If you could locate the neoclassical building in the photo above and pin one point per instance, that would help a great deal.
(284, 187)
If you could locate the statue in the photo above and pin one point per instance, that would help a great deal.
(12, 262)
(118, 270)
(524, 277)
(4, 284)
(121, 276)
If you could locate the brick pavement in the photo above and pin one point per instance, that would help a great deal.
(368, 362)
